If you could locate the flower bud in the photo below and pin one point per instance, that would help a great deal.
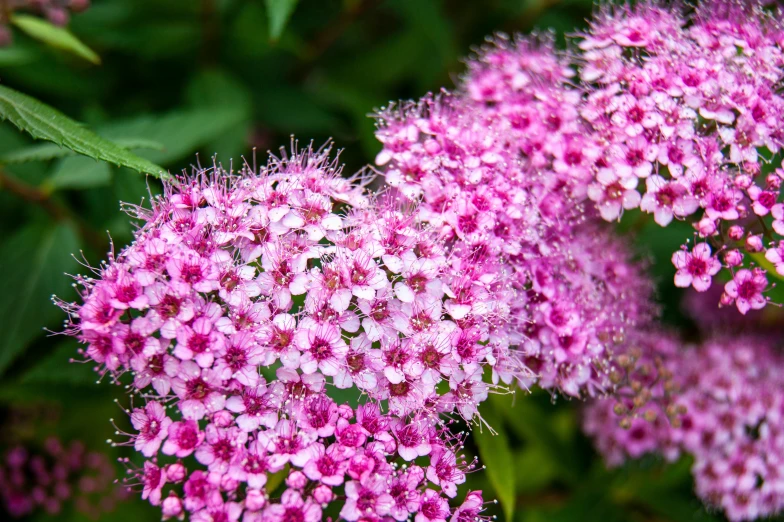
(733, 257)
(705, 227)
(172, 507)
(297, 480)
(323, 494)
(735, 232)
(743, 181)
(175, 472)
(773, 182)
(255, 500)
(223, 419)
(754, 244)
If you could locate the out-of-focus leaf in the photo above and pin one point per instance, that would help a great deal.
(495, 454)
(218, 90)
(49, 151)
(16, 55)
(78, 172)
(33, 263)
(532, 425)
(57, 368)
(44, 122)
(535, 469)
(181, 133)
(278, 13)
(54, 36)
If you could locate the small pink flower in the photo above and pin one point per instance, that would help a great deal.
(695, 268)
(666, 199)
(746, 289)
(152, 425)
(776, 256)
(184, 438)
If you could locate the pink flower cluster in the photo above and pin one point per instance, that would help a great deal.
(499, 170)
(685, 108)
(245, 301)
(33, 479)
(730, 411)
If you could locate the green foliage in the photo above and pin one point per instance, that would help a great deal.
(33, 262)
(48, 151)
(44, 122)
(497, 456)
(54, 36)
(279, 12)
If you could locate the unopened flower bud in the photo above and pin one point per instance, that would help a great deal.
(255, 500)
(323, 494)
(733, 257)
(735, 232)
(297, 480)
(705, 227)
(175, 472)
(743, 181)
(172, 507)
(754, 244)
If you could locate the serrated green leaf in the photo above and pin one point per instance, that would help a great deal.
(33, 263)
(50, 151)
(54, 36)
(279, 12)
(44, 122)
(496, 455)
(78, 172)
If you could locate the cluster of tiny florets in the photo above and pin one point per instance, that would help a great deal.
(245, 301)
(45, 479)
(685, 108)
(728, 414)
(500, 169)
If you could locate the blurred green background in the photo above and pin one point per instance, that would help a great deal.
(180, 77)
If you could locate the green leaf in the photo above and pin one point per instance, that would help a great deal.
(78, 172)
(50, 151)
(44, 122)
(279, 12)
(59, 368)
(496, 455)
(181, 133)
(33, 263)
(536, 427)
(16, 55)
(54, 36)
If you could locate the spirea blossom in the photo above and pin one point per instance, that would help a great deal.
(247, 299)
(500, 171)
(45, 479)
(684, 104)
(728, 417)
